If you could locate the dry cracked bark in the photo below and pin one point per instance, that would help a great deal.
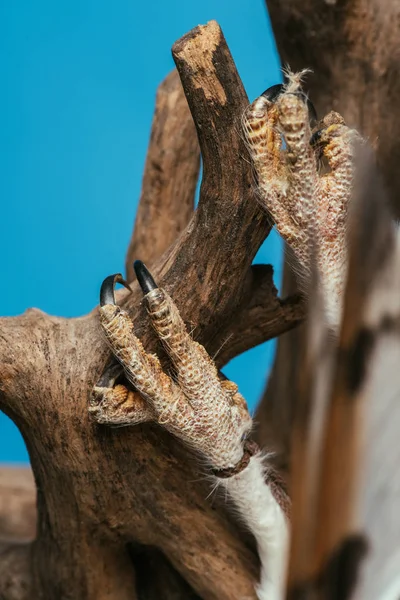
(118, 507)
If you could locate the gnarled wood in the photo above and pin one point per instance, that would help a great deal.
(262, 317)
(156, 578)
(170, 176)
(101, 490)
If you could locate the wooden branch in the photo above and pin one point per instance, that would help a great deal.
(262, 317)
(156, 578)
(228, 227)
(274, 414)
(170, 176)
(100, 490)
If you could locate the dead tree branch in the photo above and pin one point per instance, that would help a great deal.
(262, 317)
(170, 176)
(102, 492)
(17, 504)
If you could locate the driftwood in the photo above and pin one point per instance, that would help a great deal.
(119, 509)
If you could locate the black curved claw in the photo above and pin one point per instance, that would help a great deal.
(107, 288)
(316, 136)
(272, 94)
(311, 109)
(144, 277)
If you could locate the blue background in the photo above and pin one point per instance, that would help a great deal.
(78, 86)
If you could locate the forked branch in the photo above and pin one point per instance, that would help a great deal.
(170, 176)
(102, 490)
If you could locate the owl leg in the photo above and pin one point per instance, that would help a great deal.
(277, 129)
(336, 144)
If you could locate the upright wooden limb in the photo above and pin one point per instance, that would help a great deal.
(170, 176)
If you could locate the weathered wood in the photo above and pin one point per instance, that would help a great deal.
(15, 574)
(99, 489)
(170, 176)
(262, 317)
(275, 412)
(156, 578)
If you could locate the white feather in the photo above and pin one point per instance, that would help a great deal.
(264, 517)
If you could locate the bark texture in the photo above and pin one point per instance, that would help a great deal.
(113, 505)
(170, 176)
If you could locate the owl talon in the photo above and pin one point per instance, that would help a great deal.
(107, 295)
(211, 417)
(308, 204)
(144, 277)
(274, 91)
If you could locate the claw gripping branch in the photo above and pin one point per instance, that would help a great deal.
(308, 207)
(107, 295)
(144, 277)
